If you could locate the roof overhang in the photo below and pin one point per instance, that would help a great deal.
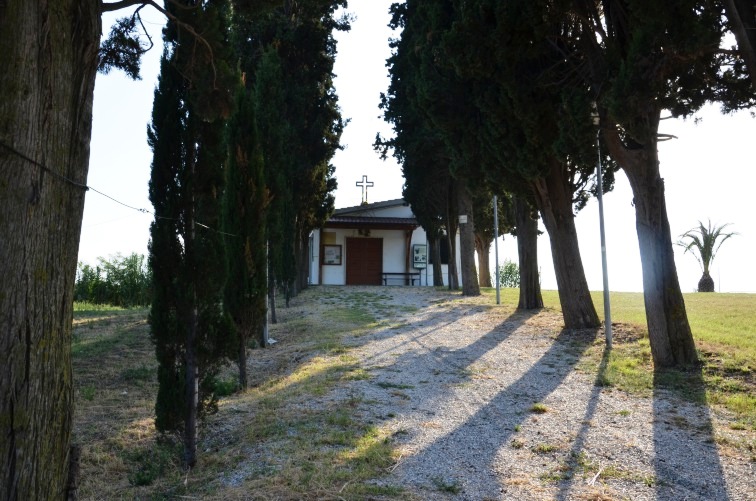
(372, 223)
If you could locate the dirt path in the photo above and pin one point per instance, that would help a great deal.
(486, 403)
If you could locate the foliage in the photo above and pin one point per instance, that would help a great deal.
(288, 57)
(118, 281)
(123, 48)
(509, 274)
(704, 240)
(702, 243)
(190, 331)
(245, 204)
(641, 58)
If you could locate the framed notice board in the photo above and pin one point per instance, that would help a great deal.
(332, 255)
(419, 256)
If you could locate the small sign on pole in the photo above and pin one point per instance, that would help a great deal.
(463, 219)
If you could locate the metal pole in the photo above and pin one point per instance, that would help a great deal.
(607, 306)
(496, 247)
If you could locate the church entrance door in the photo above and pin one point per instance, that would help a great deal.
(364, 261)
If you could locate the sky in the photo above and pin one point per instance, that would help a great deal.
(708, 171)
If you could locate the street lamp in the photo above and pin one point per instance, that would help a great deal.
(496, 246)
(600, 182)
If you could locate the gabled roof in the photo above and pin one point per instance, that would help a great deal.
(370, 207)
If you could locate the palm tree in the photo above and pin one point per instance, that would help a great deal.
(703, 242)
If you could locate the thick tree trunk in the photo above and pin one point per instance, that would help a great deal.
(742, 17)
(554, 200)
(470, 285)
(48, 61)
(706, 284)
(483, 248)
(668, 329)
(527, 251)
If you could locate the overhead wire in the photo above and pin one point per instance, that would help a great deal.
(87, 188)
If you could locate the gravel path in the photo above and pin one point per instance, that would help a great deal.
(460, 383)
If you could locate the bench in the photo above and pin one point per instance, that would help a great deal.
(404, 276)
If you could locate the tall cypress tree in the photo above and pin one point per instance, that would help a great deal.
(188, 327)
(289, 54)
(246, 202)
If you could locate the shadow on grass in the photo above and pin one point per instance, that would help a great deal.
(686, 460)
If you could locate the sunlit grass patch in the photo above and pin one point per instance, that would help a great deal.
(722, 326)
(539, 408)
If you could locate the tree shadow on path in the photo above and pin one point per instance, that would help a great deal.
(686, 460)
(465, 459)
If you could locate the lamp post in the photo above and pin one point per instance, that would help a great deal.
(496, 246)
(600, 182)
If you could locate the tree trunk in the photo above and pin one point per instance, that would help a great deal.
(470, 285)
(668, 329)
(451, 238)
(192, 390)
(554, 200)
(527, 251)
(483, 248)
(706, 284)
(435, 251)
(48, 61)
(742, 19)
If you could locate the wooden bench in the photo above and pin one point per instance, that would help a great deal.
(404, 276)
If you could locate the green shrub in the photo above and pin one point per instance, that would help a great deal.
(509, 274)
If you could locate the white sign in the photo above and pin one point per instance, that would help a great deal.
(462, 219)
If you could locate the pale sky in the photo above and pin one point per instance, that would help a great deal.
(709, 170)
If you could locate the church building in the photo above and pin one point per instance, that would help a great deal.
(372, 244)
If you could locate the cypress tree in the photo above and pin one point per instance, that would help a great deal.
(190, 332)
(245, 205)
(289, 54)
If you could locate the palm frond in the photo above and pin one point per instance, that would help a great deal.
(702, 242)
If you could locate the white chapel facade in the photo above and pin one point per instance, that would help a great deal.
(372, 244)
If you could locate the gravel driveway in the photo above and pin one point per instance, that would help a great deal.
(487, 403)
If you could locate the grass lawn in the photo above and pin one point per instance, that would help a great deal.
(724, 329)
(281, 439)
(311, 451)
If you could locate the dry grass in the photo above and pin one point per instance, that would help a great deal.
(297, 433)
(288, 437)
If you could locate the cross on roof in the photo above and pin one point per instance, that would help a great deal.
(365, 184)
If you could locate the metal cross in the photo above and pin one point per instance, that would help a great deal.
(365, 184)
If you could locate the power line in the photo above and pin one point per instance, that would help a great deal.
(43, 167)
(87, 188)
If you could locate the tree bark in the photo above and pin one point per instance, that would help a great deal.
(435, 251)
(470, 285)
(48, 61)
(742, 19)
(527, 251)
(668, 328)
(451, 237)
(554, 200)
(192, 389)
(483, 248)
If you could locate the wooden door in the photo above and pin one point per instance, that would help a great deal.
(364, 261)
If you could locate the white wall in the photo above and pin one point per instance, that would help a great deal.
(394, 255)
